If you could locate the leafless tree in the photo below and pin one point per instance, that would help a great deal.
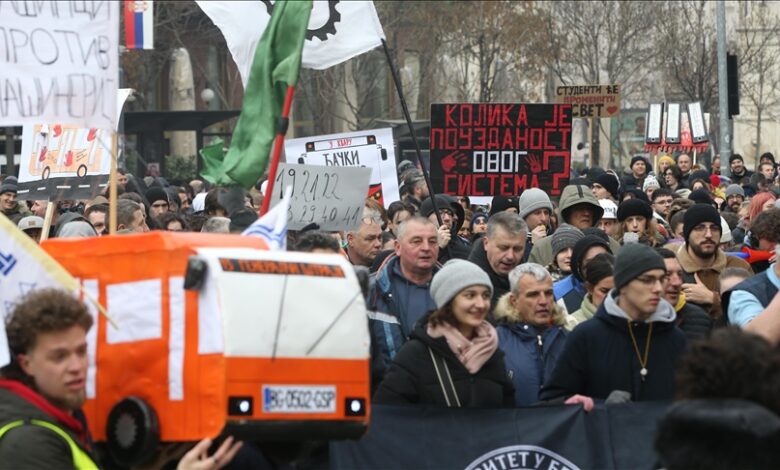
(759, 69)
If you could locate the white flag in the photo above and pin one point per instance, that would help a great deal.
(24, 266)
(272, 227)
(338, 30)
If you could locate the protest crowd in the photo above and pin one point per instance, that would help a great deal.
(495, 276)
(522, 302)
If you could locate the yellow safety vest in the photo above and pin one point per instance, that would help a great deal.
(81, 460)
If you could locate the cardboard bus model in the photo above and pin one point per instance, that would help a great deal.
(264, 346)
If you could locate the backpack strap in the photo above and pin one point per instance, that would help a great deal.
(447, 387)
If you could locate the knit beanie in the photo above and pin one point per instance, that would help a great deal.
(566, 236)
(426, 208)
(156, 193)
(638, 158)
(697, 214)
(701, 196)
(632, 207)
(477, 215)
(637, 193)
(667, 159)
(735, 156)
(9, 185)
(650, 183)
(725, 232)
(609, 182)
(715, 180)
(501, 203)
(610, 209)
(703, 175)
(734, 190)
(634, 259)
(581, 247)
(533, 199)
(453, 277)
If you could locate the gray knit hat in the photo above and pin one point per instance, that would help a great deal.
(566, 236)
(456, 275)
(632, 260)
(533, 199)
(734, 190)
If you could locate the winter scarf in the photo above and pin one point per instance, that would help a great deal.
(474, 353)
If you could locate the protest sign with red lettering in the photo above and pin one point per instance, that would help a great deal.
(482, 150)
(601, 101)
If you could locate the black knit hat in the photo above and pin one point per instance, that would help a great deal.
(609, 182)
(631, 207)
(701, 196)
(700, 175)
(736, 156)
(697, 214)
(502, 203)
(156, 193)
(637, 193)
(580, 248)
(9, 185)
(638, 158)
(634, 259)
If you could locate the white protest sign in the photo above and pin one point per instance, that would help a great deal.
(62, 161)
(372, 148)
(58, 62)
(331, 197)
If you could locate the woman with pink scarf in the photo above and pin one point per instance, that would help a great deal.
(452, 357)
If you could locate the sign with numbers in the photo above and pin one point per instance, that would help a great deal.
(483, 150)
(329, 196)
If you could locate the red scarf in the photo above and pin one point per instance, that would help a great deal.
(44, 405)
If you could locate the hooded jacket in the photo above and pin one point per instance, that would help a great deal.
(586, 312)
(530, 353)
(600, 357)
(412, 378)
(572, 195)
(33, 446)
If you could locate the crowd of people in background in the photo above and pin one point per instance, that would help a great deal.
(589, 296)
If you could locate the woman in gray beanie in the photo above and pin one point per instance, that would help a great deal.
(452, 357)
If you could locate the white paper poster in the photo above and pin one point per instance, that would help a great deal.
(371, 148)
(58, 62)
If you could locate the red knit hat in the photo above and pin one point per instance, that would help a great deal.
(714, 180)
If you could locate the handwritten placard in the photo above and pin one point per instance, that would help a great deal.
(329, 196)
(58, 62)
(587, 101)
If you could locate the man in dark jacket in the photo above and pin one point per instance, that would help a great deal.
(9, 205)
(692, 320)
(451, 246)
(632, 343)
(45, 384)
(500, 250)
(530, 330)
(739, 174)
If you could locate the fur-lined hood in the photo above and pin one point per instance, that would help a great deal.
(505, 312)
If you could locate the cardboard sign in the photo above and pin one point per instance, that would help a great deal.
(58, 63)
(330, 196)
(485, 150)
(62, 161)
(373, 149)
(588, 101)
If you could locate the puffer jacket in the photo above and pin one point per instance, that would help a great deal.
(530, 352)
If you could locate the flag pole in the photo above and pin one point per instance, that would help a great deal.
(408, 117)
(112, 189)
(284, 122)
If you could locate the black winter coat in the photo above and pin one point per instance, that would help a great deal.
(599, 357)
(694, 322)
(412, 378)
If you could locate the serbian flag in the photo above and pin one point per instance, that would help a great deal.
(139, 24)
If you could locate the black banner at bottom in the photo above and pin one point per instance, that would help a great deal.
(541, 438)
